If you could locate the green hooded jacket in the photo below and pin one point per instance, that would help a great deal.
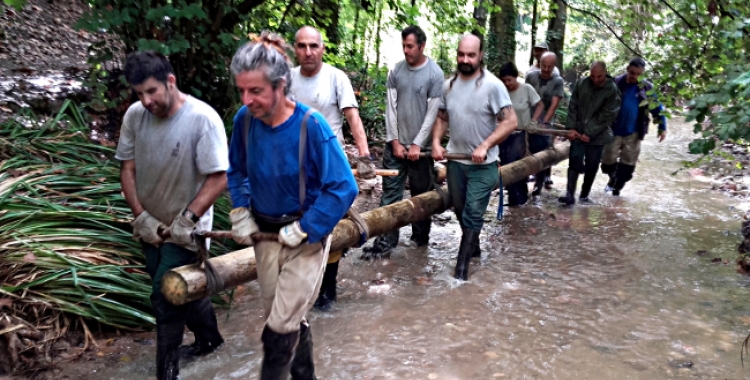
(593, 110)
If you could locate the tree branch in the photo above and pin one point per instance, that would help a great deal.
(243, 8)
(592, 14)
(677, 13)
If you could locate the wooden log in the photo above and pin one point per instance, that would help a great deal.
(188, 283)
(380, 172)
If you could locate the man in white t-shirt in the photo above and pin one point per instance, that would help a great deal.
(328, 89)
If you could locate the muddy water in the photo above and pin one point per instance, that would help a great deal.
(613, 290)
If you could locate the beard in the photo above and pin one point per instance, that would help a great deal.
(467, 69)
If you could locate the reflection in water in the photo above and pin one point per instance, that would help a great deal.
(612, 290)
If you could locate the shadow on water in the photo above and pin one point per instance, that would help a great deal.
(613, 290)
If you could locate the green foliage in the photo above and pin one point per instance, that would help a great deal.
(17, 4)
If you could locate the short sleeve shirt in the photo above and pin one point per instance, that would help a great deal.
(329, 91)
(473, 106)
(173, 156)
(524, 98)
(546, 88)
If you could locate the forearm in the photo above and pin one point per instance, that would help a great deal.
(504, 128)
(358, 130)
(538, 109)
(552, 109)
(433, 104)
(213, 186)
(127, 182)
(391, 117)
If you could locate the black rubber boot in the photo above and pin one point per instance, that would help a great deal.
(168, 340)
(381, 247)
(588, 182)
(624, 174)
(303, 365)
(569, 198)
(278, 350)
(201, 320)
(469, 244)
(327, 295)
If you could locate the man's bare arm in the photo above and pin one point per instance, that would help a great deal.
(552, 109)
(213, 186)
(358, 130)
(127, 182)
(438, 131)
(506, 124)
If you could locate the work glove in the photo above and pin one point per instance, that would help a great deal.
(181, 230)
(365, 167)
(533, 127)
(292, 235)
(146, 228)
(243, 226)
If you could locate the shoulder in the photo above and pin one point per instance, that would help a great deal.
(556, 79)
(434, 68)
(135, 110)
(240, 115)
(202, 111)
(317, 124)
(491, 80)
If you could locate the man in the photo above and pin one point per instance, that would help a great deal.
(287, 175)
(593, 108)
(328, 90)
(551, 89)
(631, 126)
(539, 49)
(174, 160)
(477, 111)
(414, 90)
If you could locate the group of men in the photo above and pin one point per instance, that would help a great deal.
(287, 174)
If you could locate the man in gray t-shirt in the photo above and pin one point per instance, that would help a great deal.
(414, 89)
(477, 111)
(551, 89)
(174, 157)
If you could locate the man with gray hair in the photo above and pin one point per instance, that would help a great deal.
(593, 108)
(551, 89)
(287, 175)
(414, 90)
(539, 49)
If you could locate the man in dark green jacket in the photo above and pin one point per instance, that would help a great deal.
(593, 108)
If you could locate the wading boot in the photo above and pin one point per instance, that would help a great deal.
(624, 174)
(278, 350)
(327, 295)
(381, 247)
(588, 182)
(538, 184)
(201, 320)
(610, 184)
(303, 366)
(168, 340)
(569, 198)
(469, 244)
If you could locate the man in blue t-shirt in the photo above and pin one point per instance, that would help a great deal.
(287, 175)
(631, 126)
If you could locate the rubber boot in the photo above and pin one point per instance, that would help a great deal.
(168, 340)
(588, 182)
(569, 197)
(327, 295)
(381, 247)
(624, 174)
(469, 244)
(201, 320)
(303, 365)
(538, 183)
(278, 350)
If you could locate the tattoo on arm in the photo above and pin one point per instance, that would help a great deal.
(504, 112)
(443, 115)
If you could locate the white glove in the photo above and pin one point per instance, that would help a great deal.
(181, 230)
(243, 226)
(292, 235)
(146, 228)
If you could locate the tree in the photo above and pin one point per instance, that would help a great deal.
(556, 29)
(501, 41)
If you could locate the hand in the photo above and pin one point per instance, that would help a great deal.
(243, 226)
(584, 138)
(438, 152)
(479, 154)
(572, 134)
(398, 150)
(292, 235)
(533, 126)
(146, 228)
(662, 135)
(181, 230)
(365, 168)
(414, 152)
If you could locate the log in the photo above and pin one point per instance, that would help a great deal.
(380, 172)
(188, 283)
